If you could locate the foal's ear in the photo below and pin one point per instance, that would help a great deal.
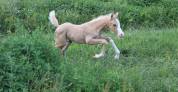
(116, 14)
(112, 15)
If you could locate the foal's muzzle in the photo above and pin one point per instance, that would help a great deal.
(121, 35)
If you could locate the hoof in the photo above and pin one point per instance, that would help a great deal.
(116, 56)
(98, 55)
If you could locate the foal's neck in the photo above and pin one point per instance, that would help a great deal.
(99, 23)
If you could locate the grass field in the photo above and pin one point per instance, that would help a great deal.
(148, 63)
(29, 62)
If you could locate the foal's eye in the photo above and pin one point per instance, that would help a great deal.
(114, 25)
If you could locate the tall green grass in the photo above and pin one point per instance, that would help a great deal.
(33, 14)
(30, 63)
(148, 63)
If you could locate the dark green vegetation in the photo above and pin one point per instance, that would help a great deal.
(30, 63)
(148, 63)
(33, 14)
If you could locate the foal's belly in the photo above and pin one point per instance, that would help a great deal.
(80, 40)
(76, 36)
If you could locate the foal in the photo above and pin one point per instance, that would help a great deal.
(87, 33)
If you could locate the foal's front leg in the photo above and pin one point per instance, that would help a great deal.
(117, 51)
(102, 53)
(94, 41)
(103, 49)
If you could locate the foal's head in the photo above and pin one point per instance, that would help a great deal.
(114, 25)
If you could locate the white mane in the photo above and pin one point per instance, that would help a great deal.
(98, 18)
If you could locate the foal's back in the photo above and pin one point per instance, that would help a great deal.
(73, 32)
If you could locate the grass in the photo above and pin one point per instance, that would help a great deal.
(148, 63)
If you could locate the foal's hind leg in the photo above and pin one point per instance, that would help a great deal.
(64, 48)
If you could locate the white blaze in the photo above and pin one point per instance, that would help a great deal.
(120, 33)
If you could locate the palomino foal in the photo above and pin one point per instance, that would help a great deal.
(87, 33)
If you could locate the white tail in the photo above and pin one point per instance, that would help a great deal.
(53, 19)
